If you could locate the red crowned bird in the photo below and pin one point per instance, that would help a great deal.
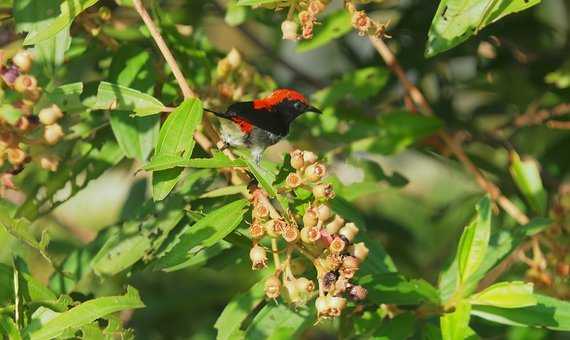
(261, 123)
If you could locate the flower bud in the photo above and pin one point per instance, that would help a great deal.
(49, 163)
(258, 257)
(234, 58)
(293, 180)
(289, 30)
(290, 234)
(272, 228)
(332, 262)
(297, 159)
(9, 74)
(53, 133)
(357, 293)
(359, 251)
(334, 226)
(50, 115)
(256, 230)
(323, 191)
(337, 245)
(349, 266)
(315, 172)
(323, 212)
(349, 231)
(260, 211)
(322, 306)
(25, 83)
(361, 22)
(224, 68)
(341, 285)
(23, 123)
(315, 7)
(272, 287)
(305, 17)
(23, 60)
(16, 156)
(310, 218)
(309, 157)
(310, 235)
(336, 305)
(305, 285)
(307, 30)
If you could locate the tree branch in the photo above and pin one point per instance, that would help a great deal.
(420, 101)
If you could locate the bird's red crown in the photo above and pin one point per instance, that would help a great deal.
(277, 97)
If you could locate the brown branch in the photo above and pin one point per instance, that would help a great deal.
(457, 150)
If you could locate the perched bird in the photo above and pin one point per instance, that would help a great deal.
(261, 123)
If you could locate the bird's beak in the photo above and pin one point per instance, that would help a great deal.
(314, 109)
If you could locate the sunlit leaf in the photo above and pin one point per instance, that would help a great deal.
(527, 177)
(454, 326)
(514, 294)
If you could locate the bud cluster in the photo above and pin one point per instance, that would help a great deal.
(307, 18)
(363, 24)
(23, 133)
(318, 234)
(233, 79)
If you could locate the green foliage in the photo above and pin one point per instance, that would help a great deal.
(334, 26)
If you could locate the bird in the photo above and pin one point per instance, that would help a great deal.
(262, 122)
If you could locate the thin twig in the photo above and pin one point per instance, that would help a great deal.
(457, 150)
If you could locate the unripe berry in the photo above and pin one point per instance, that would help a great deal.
(234, 58)
(309, 157)
(290, 234)
(337, 245)
(16, 156)
(297, 161)
(323, 191)
(334, 226)
(315, 172)
(289, 30)
(305, 284)
(53, 133)
(49, 163)
(357, 293)
(258, 257)
(271, 229)
(272, 287)
(293, 180)
(25, 83)
(256, 230)
(359, 251)
(349, 231)
(23, 60)
(349, 266)
(50, 115)
(310, 235)
(310, 218)
(323, 212)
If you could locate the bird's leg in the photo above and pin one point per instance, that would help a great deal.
(224, 146)
(256, 153)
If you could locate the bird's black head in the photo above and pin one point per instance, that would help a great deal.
(289, 109)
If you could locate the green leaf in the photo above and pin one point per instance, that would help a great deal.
(121, 98)
(9, 327)
(10, 114)
(176, 138)
(400, 327)
(263, 176)
(334, 26)
(527, 177)
(136, 135)
(514, 294)
(561, 77)
(67, 97)
(29, 287)
(454, 326)
(279, 320)
(393, 288)
(21, 229)
(226, 191)
(456, 20)
(236, 14)
(86, 313)
(31, 15)
(474, 241)
(359, 85)
(548, 312)
(69, 9)
(238, 309)
(169, 161)
(203, 234)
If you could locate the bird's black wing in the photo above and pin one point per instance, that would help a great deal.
(262, 118)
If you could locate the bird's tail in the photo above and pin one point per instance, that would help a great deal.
(219, 114)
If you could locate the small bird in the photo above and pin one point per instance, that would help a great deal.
(261, 123)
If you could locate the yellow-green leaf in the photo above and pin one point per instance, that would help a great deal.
(514, 294)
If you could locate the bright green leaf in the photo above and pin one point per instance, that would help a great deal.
(455, 325)
(169, 161)
(86, 313)
(235, 14)
(514, 294)
(393, 288)
(456, 20)
(117, 97)
(256, 2)
(10, 114)
(474, 241)
(9, 327)
(334, 26)
(273, 320)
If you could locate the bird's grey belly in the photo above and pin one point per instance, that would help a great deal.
(262, 138)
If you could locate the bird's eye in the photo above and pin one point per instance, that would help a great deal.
(298, 106)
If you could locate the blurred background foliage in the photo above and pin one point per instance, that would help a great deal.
(497, 92)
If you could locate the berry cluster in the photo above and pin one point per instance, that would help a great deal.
(316, 234)
(20, 132)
